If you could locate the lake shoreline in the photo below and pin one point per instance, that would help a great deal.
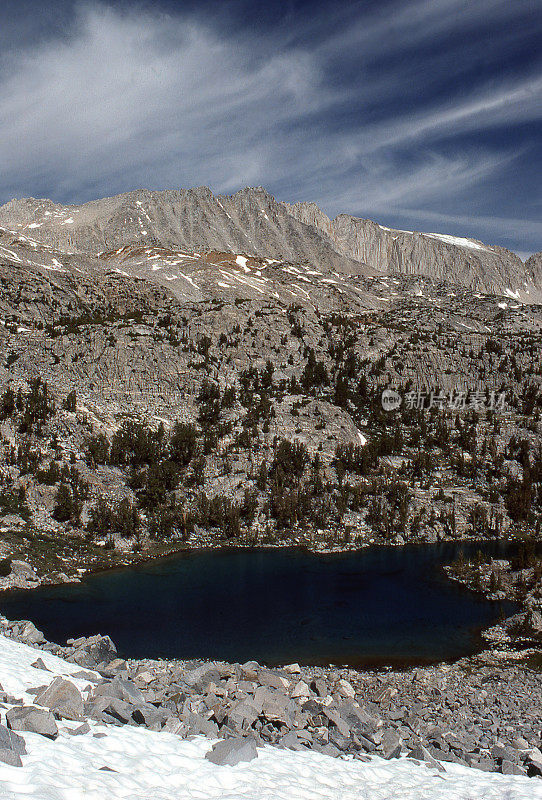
(458, 710)
(437, 571)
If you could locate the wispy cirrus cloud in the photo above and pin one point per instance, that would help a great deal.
(383, 109)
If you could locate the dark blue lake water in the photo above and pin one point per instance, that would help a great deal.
(377, 606)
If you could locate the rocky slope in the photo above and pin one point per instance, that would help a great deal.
(53, 712)
(483, 718)
(533, 265)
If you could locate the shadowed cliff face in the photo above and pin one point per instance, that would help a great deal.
(442, 257)
(252, 223)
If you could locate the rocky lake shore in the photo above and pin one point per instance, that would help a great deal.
(481, 711)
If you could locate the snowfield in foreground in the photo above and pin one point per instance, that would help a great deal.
(131, 763)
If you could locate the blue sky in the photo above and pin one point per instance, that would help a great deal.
(421, 115)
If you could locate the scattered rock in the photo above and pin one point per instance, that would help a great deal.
(9, 740)
(80, 730)
(11, 758)
(29, 634)
(39, 664)
(390, 744)
(345, 688)
(93, 651)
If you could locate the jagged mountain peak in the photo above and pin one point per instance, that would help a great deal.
(251, 221)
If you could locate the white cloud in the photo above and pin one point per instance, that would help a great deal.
(134, 98)
(156, 99)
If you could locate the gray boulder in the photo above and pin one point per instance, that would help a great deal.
(150, 716)
(32, 719)
(337, 720)
(241, 716)
(198, 679)
(93, 651)
(176, 726)
(230, 752)
(267, 677)
(296, 740)
(319, 687)
(121, 689)
(106, 707)
(274, 705)
(30, 634)
(62, 697)
(80, 730)
(38, 664)
(534, 762)
(390, 744)
(199, 725)
(327, 749)
(250, 670)
(84, 675)
(115, 667)
(508, 768)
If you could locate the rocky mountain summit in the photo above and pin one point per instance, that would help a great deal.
(251, 222)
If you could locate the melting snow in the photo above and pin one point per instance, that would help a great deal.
(13, 255)
(190, 281)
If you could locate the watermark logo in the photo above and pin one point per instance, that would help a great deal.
(455, 400)
(391, 400)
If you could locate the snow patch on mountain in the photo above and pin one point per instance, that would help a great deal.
(459, 241)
